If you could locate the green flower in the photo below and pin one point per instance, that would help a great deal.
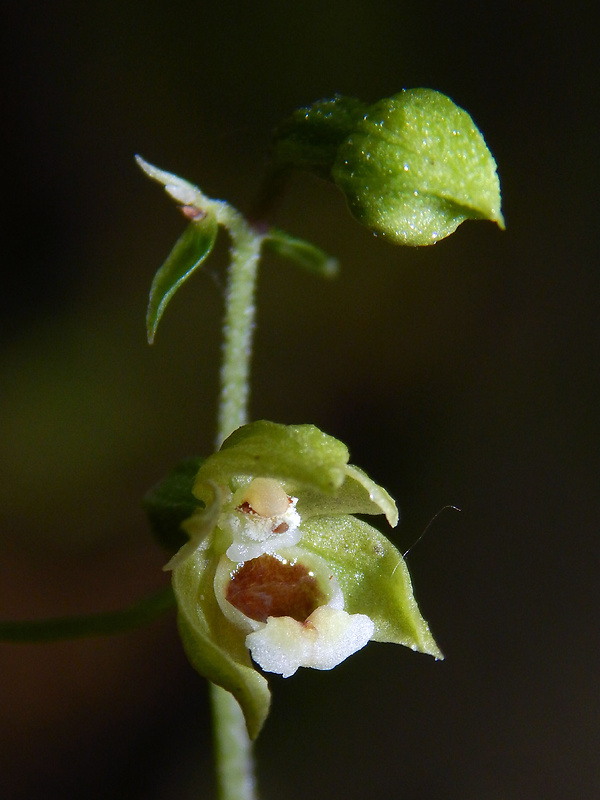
(277, 570)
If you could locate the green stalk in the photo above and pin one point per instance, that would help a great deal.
(238, 325)
(103, 624)
(233, 749)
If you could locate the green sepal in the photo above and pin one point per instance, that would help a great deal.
(310, 137)
(415, 167)
(190, 250)
(373, 577)
(302, 455)
(213, 645)
(303, 253)
(171, 502)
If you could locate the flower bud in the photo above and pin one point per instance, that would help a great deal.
(416, 167)
(412, 167)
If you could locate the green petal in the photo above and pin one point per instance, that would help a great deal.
(214, 646)
(416, 167)
(377, 494)
(357, 495)
(190, 250)
(302, 455)
(373, 577)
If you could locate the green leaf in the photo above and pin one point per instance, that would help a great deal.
(373, 577)
(300, 454)
(415, 167)
(105, 623)
(189, 252)
(214, 646)
(171, 502)
(302, 253)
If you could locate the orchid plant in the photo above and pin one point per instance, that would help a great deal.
(271, 569)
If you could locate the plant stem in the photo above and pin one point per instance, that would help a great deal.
(233, 749)
(238, 326)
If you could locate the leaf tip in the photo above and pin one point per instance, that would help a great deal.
(144, 165)
(152, 318)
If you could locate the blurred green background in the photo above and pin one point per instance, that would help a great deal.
(466, 373)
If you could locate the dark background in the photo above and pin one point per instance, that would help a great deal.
(465, 373)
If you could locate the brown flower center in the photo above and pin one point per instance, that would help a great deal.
(267, 587)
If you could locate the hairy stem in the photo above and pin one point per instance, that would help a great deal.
(238, 326)
(233, 749)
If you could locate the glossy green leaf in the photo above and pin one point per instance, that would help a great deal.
(171, 502)
(373, 577)
(302, 253)
(214, 646)
(189, 252)
(416, 167)
(300, 454)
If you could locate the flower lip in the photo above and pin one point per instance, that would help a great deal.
(326, 639)
(274, 587)
(290, 583)
(292, 608)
